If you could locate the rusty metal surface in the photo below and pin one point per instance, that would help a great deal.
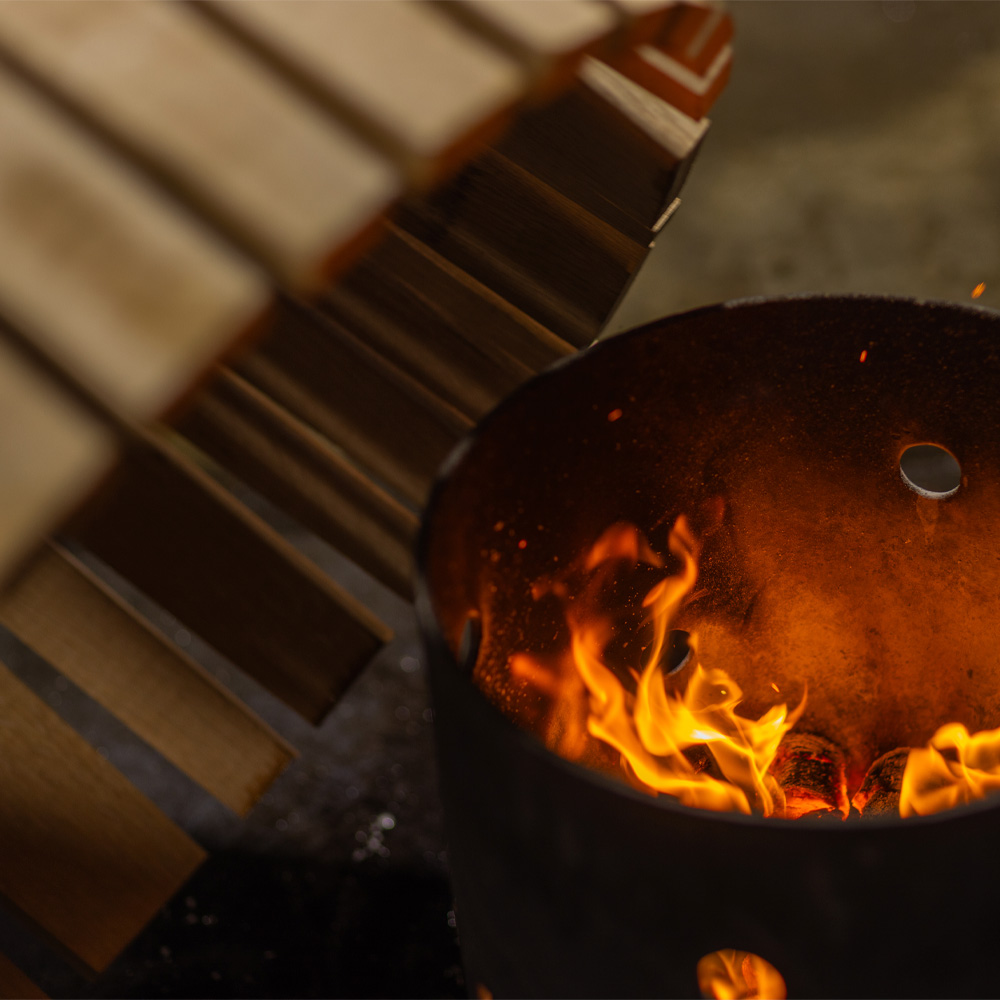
(760, 423)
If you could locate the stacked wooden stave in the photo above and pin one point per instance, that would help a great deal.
(322, 270)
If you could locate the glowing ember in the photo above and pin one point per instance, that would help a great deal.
(653, 728)
(979, 289)
(739, 975)
(864, 357)
(953, 769)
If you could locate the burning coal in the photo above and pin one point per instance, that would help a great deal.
(691, 742)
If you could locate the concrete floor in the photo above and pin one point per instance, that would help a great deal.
(857, 149)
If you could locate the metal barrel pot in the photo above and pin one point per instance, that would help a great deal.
(777, 428)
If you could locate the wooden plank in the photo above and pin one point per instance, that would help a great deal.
(690, 92)
(531, 244)
(87, 858)
(670, 131)
(695, 33)
(379, 302)
(15, 985)
(417, 82)
(52, 456)
(385, 420)
(286, 461)
(133, 297)
(584, 147)
(549, 38)
(611, 146)
(193, 548)
(210, 120)
(73, 620)
(514, 340)
(643, 21)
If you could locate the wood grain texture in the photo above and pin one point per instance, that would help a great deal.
(382, 304)
(383, 418)
(503, 332)
(52, 456)
(540, 250)
(15, 985)
(282, 458)
(87, 858)
(611, 146)
(134, 297)
(193, 548)
(413, 79)
(225, 131)
(549, 38)
(672, 132)
(73, 620)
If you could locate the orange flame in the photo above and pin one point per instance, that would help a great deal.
(652, 728)
(979, 289)
(953, 769)
(739, 975)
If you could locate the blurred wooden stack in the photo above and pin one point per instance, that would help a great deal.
(302, 246)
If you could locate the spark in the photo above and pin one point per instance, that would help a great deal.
(864, 356)
(979, 289)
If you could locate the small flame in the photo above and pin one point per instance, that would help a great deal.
(953, 769)
(653, 728)
(979, 289)
(739, 975)
(864, 357)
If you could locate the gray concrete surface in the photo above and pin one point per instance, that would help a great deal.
(855, 149)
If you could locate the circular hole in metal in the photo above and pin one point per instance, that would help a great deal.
(930, 470)
(729, 974)
(678, 650)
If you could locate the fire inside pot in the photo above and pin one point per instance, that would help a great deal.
(613, 699)
(744, 560)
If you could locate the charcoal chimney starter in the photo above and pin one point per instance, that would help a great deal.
(795, 436)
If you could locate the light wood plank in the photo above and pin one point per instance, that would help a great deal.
(386, 421)
(73, 620)
(193, 548)
(689, 92)
(403, 72)
(263, 444)
(87, 858)
(549, 38)
(15, 985)
(52, 456)
(231, 135)
(132, 296)
(673, 133)
(615, 149)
